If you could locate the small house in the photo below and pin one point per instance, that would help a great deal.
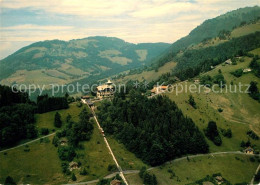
(247, 70)
(196, 81)
(249, 150)
(63, 142)
(228, 61)
(212, 67)
(73, 165)
(219, 179)
(115, 182)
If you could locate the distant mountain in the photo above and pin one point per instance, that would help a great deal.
(59, 61)
(209, 29)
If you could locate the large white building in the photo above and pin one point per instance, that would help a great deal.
(105, 90)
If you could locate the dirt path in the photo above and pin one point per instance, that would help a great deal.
(27, 143)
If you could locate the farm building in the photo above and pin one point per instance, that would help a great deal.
(159, 89)
(228, 61)
(247, 70)
(73, 165)
(249, 150)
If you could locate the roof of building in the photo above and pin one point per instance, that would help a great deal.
(249, 149)
(115, 182)
(164, 87)
(73, 163)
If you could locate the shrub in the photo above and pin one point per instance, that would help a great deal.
(44, 131)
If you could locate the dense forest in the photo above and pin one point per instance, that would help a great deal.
(16, 117)
(46, 103)
(154, 129)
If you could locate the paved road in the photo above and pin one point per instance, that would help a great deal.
(27, 143)
(108, 146)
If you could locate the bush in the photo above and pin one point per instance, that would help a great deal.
(226, 133)
(83, 172)
(252, 159)
(66, 153)
(252, 134)
(220, 110)
(212, 133)
(73, 177)
(9, 181)
(112, 167)
(44, 131)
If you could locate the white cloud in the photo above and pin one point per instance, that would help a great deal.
(132, 20)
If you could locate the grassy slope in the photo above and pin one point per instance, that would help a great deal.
(42, 162)
(126, 159)
(240, 112)
(46, 120)
(149, 75)
(236, 171)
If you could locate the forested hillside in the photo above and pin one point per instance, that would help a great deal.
(154, 129)
(210, 29)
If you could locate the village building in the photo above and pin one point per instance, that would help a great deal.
(228, 61)
(249, 150)
(105, 90)
(247, 70)
(219, 179)
(212, 67)
(73, 165)
(115, 182)
(196, 81)
(159, 89)
(63, 142)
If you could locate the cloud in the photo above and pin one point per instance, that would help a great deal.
(36, 27)
(27, 21)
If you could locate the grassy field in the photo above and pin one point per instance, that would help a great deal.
(95, 157)
(46, 120)
(234, 167)
(126, 159)
(149, 75)
(41, 164)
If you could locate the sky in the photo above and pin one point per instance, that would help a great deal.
(23, 22)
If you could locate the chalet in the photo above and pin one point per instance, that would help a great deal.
(63, 142)
(212, 67)
(105, 90)
(73, 165)
(196, 81)
(159, 89)
(219, 179)
(228, 61)
(247, 70)
(115, 182)
(249, 150)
